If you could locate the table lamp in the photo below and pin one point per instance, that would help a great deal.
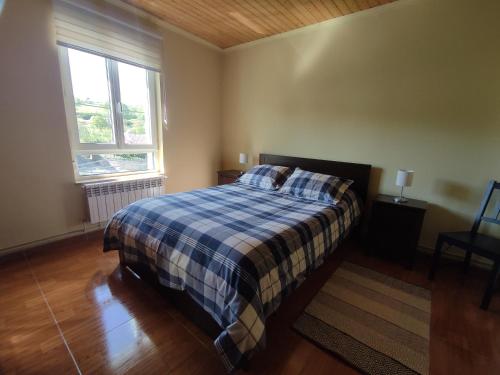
(403, 178)
(243, 159)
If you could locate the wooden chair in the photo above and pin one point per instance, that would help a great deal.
(474, 242)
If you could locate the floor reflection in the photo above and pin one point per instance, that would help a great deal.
(125, 340)
(112, 311)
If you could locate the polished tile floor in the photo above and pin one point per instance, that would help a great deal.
(69, 308)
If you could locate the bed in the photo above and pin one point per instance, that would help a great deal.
(235, 251)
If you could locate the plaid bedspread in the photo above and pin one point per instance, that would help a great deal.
(236, 250)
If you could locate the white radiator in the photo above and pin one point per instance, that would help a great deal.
(106, 198)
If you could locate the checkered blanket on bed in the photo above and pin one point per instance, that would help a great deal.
(235, 249)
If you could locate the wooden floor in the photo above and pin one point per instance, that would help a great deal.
(68, 308)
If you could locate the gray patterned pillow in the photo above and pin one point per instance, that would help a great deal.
(265, 176)
(316, 186)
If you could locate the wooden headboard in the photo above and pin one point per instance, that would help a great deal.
(359, 173)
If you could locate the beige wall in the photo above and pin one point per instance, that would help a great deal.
(413, 84)
(37, 192)
(193, 138)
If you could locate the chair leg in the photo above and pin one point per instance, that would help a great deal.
(491, 286)
(466, 267)
(435, 258)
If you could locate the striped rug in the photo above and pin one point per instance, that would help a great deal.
(376, 323)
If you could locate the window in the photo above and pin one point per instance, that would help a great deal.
(111, 114)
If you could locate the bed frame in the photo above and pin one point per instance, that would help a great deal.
(359, 173)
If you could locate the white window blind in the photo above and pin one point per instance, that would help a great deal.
(81, 27)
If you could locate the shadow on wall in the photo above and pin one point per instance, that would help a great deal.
(465, 195)
(444, 219)
(453, 190)
(75, 213)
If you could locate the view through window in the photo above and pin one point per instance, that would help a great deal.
(114, 127)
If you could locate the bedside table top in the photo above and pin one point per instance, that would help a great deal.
(412, 203)
(230, 172)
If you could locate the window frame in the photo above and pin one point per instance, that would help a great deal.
(119, 147)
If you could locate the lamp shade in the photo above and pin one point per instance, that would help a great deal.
(243, 158)
(404, 177)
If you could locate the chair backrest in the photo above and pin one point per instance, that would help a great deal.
(492, 185)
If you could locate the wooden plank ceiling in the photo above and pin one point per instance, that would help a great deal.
(227, 23)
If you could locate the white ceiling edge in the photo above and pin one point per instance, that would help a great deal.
(307, 28)
(163, 24)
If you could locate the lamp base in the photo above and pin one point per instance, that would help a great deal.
(400, 199)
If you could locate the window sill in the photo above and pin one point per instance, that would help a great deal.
(129, 177)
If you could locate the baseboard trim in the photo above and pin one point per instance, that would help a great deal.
(455, 254)
(42, 243)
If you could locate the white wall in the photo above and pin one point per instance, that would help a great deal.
(38, 196)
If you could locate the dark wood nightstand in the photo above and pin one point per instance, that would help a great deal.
(228, 176)
(394, 228)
